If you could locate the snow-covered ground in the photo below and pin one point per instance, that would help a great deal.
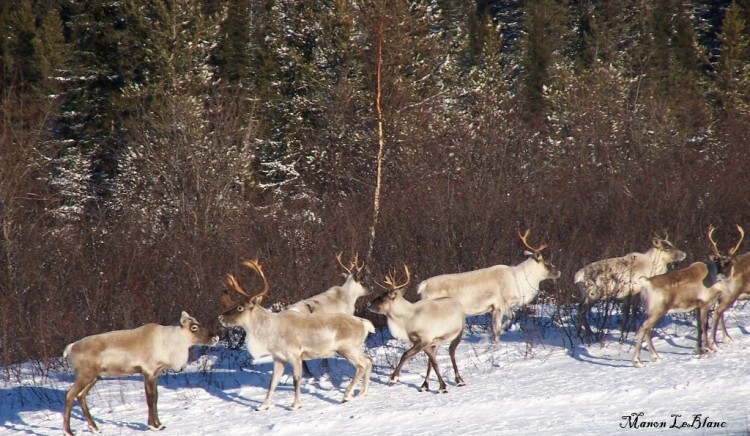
(532, 382)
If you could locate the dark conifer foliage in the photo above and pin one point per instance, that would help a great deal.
(147, 147)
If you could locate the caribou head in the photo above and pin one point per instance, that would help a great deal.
(393, 291)
(247, 303)
(722, 263)
(536, 254)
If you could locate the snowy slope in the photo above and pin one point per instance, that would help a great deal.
(529, 383)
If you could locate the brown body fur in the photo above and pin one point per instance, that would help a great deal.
(738, 286)
(676, 291)
(146, 350)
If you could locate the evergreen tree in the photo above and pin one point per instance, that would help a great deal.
(670, 41)
(545, 29)
(303, 51)
(185, 136)
(334, 150)
(114, 46)
(734, 58)
(32, 47)
(735, 44)
(232, 55)
(22, 59)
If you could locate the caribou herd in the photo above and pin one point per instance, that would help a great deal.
(325, 324)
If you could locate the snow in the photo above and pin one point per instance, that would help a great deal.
(528, 383)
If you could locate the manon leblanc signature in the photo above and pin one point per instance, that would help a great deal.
(676, 420)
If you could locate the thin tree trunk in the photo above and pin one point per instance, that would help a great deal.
(381, 144)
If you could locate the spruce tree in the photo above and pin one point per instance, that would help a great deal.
(116, 46)
(32, 47)
(545, 29)
(233, 53)
(734, 58)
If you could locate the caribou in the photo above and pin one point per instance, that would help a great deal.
(148, 350)
(618, 277)
(497, 289)
(426, 324)
(697, 286)
(291, 337)
(336, 299)
(738, 283)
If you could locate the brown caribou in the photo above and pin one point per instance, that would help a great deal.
(697, 286)
(738, 282)
(148, 350)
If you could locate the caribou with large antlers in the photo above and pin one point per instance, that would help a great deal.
(738, 283)
(426, 324)
(618, 277)
(497, 289)
(695, 287)
(291, 337)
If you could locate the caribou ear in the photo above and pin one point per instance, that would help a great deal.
(186, 319)
(528, 253)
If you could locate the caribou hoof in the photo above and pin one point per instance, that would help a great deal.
(637, 364)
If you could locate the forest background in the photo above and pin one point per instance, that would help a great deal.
(147, 147)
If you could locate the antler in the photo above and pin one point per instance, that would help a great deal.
(715, 249)
(390, 279)
(731, 252)
(232, 284)
(659, 238)
(526, 243)
(742, 236)
(254, 265)
(354, 264)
